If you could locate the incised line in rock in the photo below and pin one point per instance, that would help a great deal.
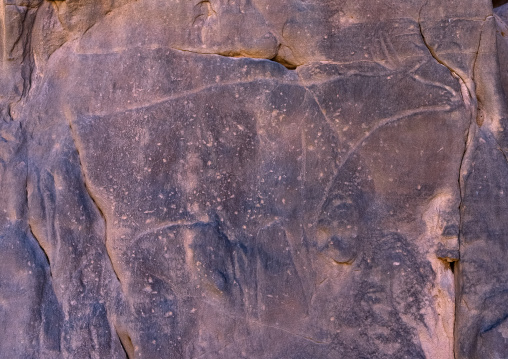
(192, 92)
(381, 123)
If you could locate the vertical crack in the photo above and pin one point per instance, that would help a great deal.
(471, 102)
(27, 60)
(27, 213)
(25, 63)
(41, 247)
(463, 174)
(94, 201)
(123, 336)
(125, 342)
(436, 57)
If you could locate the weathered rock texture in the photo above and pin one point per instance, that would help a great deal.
(253, 179)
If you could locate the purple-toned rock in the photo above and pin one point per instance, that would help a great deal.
(253, 179)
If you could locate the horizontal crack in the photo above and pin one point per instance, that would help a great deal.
(233, 54)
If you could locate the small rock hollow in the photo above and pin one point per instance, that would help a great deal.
(498, 3)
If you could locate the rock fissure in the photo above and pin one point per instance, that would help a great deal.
(28, 222)
(41, 248)
(498, 3)
(436, 57)
(28, 63)
(471, 102)
(20, 36)
(126, 343)
(95, 202)
(463, 172)
(238, 54)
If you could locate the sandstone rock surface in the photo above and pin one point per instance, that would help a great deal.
(253, 179)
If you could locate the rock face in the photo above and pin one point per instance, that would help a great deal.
(254, 179)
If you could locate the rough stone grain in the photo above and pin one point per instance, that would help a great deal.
(253, 179)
